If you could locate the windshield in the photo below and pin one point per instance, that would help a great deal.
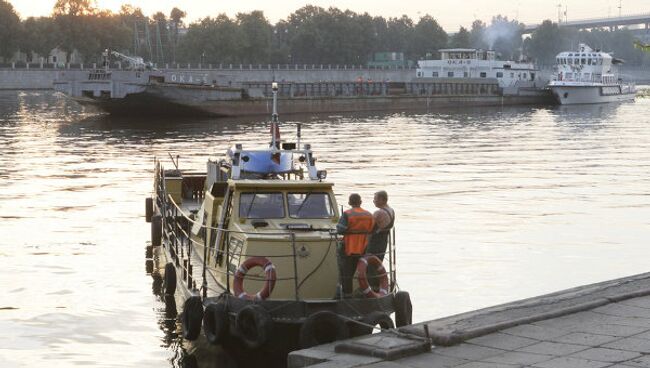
(261, 205)
(309, 205)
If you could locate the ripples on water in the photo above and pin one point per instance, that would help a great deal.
(494, 204)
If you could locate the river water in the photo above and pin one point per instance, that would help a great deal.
(494, 205)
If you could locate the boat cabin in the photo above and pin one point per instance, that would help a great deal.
(587, 66)
(476, 63)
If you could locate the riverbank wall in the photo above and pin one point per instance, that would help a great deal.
(35, 77)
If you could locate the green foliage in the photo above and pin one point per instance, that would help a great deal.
(462, 39)
(38, 36)
(427, 38)
(9, 30)
(309, 35)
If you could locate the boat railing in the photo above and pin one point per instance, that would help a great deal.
(177, 229)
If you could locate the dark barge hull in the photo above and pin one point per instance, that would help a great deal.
(191, 100)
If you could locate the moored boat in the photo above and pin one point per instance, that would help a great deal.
(589, 76)
(250, 245)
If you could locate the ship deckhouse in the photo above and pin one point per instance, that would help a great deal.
(586, 66)
(477, 63)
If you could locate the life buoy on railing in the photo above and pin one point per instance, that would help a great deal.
(362, 271)
(269, 282)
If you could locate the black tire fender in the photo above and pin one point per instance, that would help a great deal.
(403, 309)
(322, 327)
(170, 279)
(192, 318)
(156, 230)
(254, 326)
(215, 322)
(148, 208)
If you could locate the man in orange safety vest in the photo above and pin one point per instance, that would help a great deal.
(355, 224)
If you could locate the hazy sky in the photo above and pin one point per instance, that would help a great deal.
(450, 14)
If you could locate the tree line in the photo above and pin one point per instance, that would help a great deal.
(309, 35)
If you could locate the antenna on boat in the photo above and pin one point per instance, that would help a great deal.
(275, 128)
(298, 128)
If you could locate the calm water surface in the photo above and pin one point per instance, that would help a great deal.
(493, 205)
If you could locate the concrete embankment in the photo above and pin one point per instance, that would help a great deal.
(36, 78)
(600, 325)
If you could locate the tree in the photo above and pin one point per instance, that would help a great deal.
(176, 16)
(546, 42)
(73, 7)
(38, 37)
(428, 37)
(476, 38)
(9, 30)
(74, 31)
(255, 33)
(461, 39)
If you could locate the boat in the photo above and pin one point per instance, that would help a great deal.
(469, 64)
(246, 92)
(589, 76)
(250, 246)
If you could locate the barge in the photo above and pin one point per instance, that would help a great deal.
(461, 78)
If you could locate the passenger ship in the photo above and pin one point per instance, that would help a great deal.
(512, 76)
(587, 76)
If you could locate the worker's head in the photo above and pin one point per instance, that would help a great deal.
(354, 200)
(381, 198)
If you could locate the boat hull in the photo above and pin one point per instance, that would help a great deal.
(150, 104)
(572, 95)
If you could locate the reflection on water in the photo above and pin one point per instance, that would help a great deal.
(494, 204)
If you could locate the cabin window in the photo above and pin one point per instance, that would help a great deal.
(419, 74)
(309, 205)
(434, 74)
(450, 74)
(499, 74)
(261, 205)
(483, 74)
(583, 61)
(465, 74)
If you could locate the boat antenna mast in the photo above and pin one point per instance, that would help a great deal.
(275, 127)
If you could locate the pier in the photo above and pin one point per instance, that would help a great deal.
(599, 325)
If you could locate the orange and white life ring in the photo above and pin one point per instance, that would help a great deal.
(362, 271)
(269, 281)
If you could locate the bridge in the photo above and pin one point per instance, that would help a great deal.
(610, 22)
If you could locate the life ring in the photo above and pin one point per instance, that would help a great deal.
(322, 327)
(269, 284)
(362, 271)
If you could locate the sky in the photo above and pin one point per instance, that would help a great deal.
(450, 14)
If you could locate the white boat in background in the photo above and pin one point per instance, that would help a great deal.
(587, 76)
